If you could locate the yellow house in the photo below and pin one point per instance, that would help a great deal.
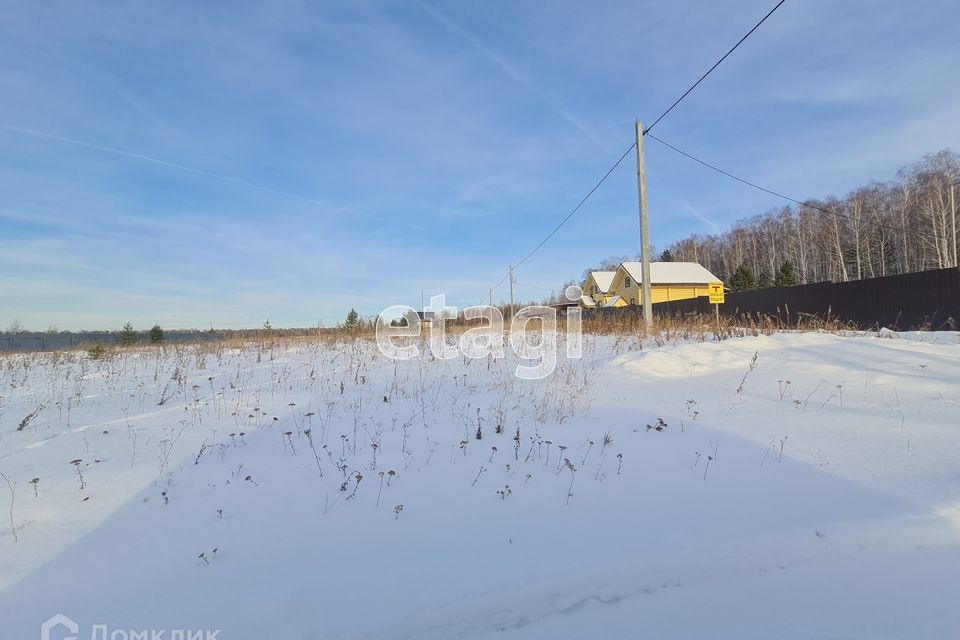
(668, 281)
(597, 288)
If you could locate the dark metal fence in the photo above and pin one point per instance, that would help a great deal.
(927, 299)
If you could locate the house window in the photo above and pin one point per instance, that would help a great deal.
(633, 301)
(626, 282)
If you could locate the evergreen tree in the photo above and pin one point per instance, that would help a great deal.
(786, 276)
(156, 334)
(743, 279)
(353, 322)
(128, 335)
(666, 256)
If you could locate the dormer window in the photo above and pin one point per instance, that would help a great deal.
(626, 281)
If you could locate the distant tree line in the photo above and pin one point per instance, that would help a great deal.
(906, 225)
(125, 337)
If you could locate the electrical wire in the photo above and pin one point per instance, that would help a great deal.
(569, 215)
(786, 197)
(579, 204)
(715, 65)
(645, 131)
(533, 286)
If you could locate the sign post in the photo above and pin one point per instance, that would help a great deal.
(716, 299)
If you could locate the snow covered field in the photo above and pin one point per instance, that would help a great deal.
(785, 486)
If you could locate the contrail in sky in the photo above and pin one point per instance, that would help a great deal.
(701, 216)
(164, 163)
(511, 72)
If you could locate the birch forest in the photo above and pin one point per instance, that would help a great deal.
(905, 225)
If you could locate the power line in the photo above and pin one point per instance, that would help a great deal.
(533, 286)
(785, 197)
(718, 170)
(715, 65)
(579, 204)
(569, 215)
(631, 147)
(499, 284)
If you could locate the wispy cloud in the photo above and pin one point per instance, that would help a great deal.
(165, 163)
(700, 216)
(201, 162)
(513, 73)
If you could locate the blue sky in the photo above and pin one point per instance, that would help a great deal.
(193, 163)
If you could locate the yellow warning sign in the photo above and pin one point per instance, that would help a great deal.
(716, 292)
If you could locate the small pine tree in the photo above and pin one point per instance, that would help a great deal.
(666, 256)
(97, 351)
(786, 276)
(352, 322)
(156, 334)
(743, 279)
(128, 335)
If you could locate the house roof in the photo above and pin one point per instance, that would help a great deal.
(612, 302)
(604, 279)
(671, 273)
(587, 301)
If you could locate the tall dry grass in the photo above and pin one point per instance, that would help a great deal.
(624, 325)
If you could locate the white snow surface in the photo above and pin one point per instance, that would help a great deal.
(815, 494)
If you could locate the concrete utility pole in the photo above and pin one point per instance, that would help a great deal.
(510, 275)
(644, 232)
(953, 224)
